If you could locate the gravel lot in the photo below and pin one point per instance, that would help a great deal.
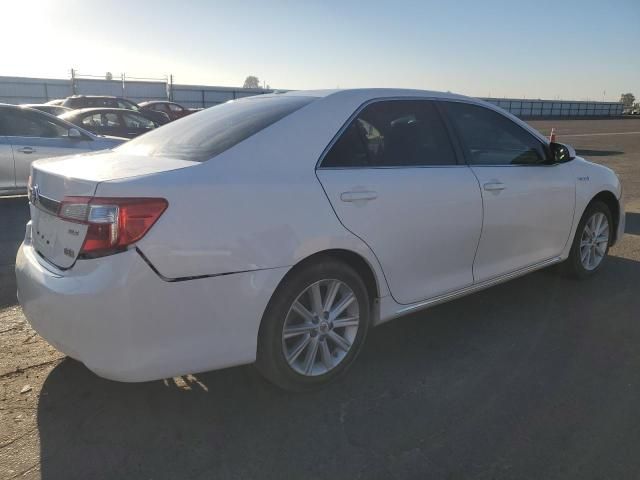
(538, 378)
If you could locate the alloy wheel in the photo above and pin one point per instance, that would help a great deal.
(320, 327)
(594, 241)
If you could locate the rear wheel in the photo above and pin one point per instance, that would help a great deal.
(314, 326)
(591, 241)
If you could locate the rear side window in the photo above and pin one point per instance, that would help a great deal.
(490, 138)
(17, 123)
(203, 135)
(393, 133)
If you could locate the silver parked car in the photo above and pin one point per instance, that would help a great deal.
(27, 135)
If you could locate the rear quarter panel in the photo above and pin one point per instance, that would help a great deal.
(256, 206)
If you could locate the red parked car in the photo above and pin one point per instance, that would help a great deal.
(172, 109)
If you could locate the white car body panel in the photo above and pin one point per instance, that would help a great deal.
(413, 201)
(190, 295)
(106, 321)
(527, 222)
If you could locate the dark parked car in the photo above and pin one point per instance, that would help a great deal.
(171, 109)
(118, 122)
(105, 101)
(50, 109)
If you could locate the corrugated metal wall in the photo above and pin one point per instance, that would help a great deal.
(39, 90)
(18, 90)
(557, 108)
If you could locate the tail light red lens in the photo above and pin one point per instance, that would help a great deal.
(113, 223)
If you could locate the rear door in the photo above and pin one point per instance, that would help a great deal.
(35, 135)
(528, 201)
(393, 179)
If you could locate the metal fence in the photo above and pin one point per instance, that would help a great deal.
(39, 90)
(557, 108)
(19, 90)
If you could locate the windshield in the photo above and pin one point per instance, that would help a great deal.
(203, 135)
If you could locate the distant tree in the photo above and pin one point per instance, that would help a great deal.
(251, 82)
(627, 99)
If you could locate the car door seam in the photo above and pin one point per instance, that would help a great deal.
(356, 235)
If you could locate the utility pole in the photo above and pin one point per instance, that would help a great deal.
(73, 82)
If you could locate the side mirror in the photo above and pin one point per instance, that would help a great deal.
(74, 133)
(562, 153)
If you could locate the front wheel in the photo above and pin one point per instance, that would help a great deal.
(314, 326)
(591, 241)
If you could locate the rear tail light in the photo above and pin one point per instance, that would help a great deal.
(114, 223)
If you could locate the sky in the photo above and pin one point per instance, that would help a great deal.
(535, 49)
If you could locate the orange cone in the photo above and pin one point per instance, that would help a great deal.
(552, 137)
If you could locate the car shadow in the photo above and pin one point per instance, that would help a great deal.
(461, 389)
(14, 215)
(598, 153)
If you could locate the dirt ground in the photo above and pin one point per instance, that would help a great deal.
(536, 378)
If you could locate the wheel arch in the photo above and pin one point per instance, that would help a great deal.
(356, 261)
(609, 199)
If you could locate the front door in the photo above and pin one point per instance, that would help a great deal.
(528, 201)
(7, 168)
(394, 181)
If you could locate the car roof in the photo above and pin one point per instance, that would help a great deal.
(371, 93)
(94, 96)
(80, 111)
(153, 102)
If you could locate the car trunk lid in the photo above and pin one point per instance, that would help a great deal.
(60, 240)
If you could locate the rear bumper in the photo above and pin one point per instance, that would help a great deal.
(123, 322)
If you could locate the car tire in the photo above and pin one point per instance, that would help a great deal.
(301, 348)
(589, 250)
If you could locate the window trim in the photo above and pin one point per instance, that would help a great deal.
(460, 160)
(460, 141)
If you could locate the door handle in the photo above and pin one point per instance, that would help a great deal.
(363, 196)
(27, 150)
(494, 186)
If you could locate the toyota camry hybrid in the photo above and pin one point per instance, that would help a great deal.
(278, 229)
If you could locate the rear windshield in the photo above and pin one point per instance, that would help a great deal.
(203, 135)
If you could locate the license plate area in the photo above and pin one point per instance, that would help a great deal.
(43, 232)
(57, 240)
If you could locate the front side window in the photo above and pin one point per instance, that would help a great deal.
(490, 138)
(132, 120)
(205, 134)
(158, 107)
(393, 133)
(15, 123)
(127, 105)
(104, 120)
(175, 108)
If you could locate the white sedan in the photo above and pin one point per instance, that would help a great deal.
(278, 229)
